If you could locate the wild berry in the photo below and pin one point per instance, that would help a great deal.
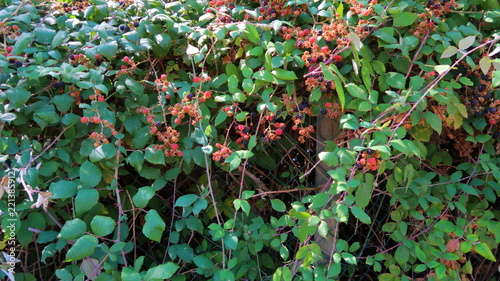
(493, 110)
(324, 111)
(370, 151)
(485, 76)
(71, 57)
(136, 24)
(300, 116)
(97, 62)
(18, 64)
(126, 59)
(59, 84)
(122, 27)
(474, 102)
(245, 130)
(481, 87)
(189, 96)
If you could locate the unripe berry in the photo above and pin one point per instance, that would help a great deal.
(100, 98)
(279, 132)
(177, 120)
(372, 161)
(196, 80)
(163, 77)
(96, 144)
(84, 119)
(126, 59)
(174, 146)
(207, 94)
(337, 58)
(97, 120)
(9, 49)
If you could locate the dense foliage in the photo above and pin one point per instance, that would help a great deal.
(147, 140)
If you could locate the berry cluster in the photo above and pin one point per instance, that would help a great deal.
(331, 110)
(369, 161)
(493, 113)
(97, 96)
(186, 108)
(126, 68)
(221, 154)
(425, 26)
(11, 32)
(439, 8)
(162, 84)
(99, 138)
(273, 133)
(79, 59)
(244, 133)
(170, 138)
(270, 10)
(78, 6)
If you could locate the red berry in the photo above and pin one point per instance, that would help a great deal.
(312, 40)
(84, 119)
(337, 58)
(362, 161)
(9, 49)
(126, 59)
(177, 120)
(374, 168)
(196, 80)
(15, 27)
(492, 121)
(279, 132)
(174, 146)
(241, 127)
(432, 73)
(149, 119)
(97, 120)
(372, 161)
(114, 132)
(100, 98)
(325, 49)
(163, 77)
(328, 105)
(430, 24)
(207, 94)
(97, 57)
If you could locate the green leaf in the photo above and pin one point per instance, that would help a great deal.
(278, 205)
(186, 200)
(445, 226)
(484, 250)
(161, 272)
(155, 156)
(327, 73)
(136, 159)
(468, 189)
(90, 175)
(433, 120)
(233, 84)
(329, 158)
(72, 229)
(203, 262)
(231, 241)
(404, 19)
(154, 226)
(135, 87)
(200, 205)
(59, 38)
(142, 197)
(449, 52)
(63, 189)
(284, 74)
(402, 254)
(84, 247)
(102, 226)
(85, 200)
(466, 42)
(22, 43)
(320, 200)
(364, 193)
(18, 96)
(185, 252)
(396, 80)
(360, 215)
(252, 33)
(340, 91)
(108, 50)
(356, 91)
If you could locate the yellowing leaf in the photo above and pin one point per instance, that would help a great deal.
(466, 42)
